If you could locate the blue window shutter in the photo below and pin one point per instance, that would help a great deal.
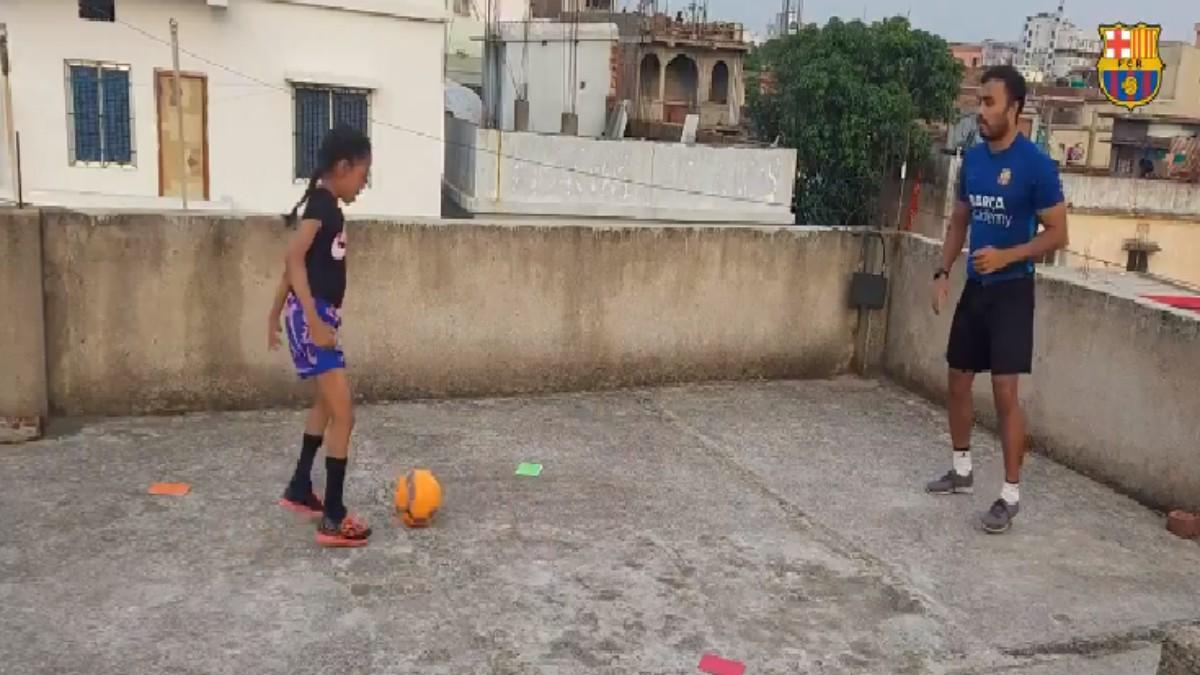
(85, 96)
(312, 123)
(118, 145)
(350, 109)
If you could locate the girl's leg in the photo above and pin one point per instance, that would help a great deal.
(318, 417)
(337, 527)
(299, 491)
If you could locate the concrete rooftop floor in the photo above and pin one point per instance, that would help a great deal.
(781, 524)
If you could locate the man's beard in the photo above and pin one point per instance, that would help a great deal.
(992, 132)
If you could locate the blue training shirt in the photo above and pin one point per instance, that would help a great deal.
(1005, 191)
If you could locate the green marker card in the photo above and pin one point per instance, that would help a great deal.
(527, 469)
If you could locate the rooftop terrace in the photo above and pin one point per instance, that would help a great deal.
(780, 524)
(776, 518)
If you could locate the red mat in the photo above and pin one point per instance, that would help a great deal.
(715, 665)
(1191, 302)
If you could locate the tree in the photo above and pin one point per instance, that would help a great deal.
(850, 98)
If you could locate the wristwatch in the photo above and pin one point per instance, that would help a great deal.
(941, 272)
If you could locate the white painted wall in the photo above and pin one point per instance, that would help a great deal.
(392, 47)
(491, 171)
(541, 61)
(507, 10)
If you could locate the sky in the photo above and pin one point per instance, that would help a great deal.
(967, 20)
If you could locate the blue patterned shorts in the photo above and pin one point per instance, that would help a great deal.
(309, 359)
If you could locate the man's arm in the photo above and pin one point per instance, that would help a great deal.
(1052, 237)
(1051, 206)
(956, 234)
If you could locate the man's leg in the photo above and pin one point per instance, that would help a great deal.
(1012, 424)
(1011, 327)
(966, 353)
(1012, 436)
(962, 409)
(961, 478)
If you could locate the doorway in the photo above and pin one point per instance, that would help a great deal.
(193, 149)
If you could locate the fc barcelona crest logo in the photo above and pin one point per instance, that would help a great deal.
(1130, 68)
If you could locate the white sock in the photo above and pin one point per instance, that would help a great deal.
(1011, 492)
(962, 462)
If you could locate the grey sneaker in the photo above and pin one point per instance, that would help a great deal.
(951, 484)
(999, 518)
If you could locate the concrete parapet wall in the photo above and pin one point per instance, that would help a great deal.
(1113, 393)
(22, 341)
(153, 313)
(1130, 195)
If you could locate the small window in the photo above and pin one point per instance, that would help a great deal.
(99, 115)
(1137, 261)
(319, 109)
(98, 10)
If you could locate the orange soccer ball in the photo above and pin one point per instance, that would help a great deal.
(418, 497)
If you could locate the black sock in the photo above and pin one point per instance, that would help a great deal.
(335, 478)
(301, 484)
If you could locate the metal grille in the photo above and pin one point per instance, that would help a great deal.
(117, 144)
(85, 93)
(100, 118)
(319, 109)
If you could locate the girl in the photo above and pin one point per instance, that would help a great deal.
(312, 288)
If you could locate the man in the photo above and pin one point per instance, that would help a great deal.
(1006, 185)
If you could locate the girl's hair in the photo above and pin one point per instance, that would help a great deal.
(341, 143)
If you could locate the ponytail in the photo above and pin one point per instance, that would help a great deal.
(290, 218)
(341, 143)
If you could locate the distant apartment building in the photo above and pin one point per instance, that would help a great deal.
(91, 89)
(1142, 225)
(1179, 94)
(549, 76)
(1037, 41)
(668, 67)
(967, 53)
(1077, 50)
(1052, 48)
(466, 33)
(675, 68)
(784, 24)
(998, 53)
(1143, 143)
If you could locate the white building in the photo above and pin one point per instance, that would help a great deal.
(465, 32)
(1052, 47)
(91, 99)
(557, 67)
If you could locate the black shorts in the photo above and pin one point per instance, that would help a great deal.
(993, 328)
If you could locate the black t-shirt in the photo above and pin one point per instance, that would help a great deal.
(326, 258)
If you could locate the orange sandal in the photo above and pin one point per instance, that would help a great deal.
(310, 506)
(352, 532)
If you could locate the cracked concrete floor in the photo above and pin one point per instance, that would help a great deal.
(781, 524)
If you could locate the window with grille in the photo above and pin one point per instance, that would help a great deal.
(98, 10)
(319, 109)
(99, 115)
